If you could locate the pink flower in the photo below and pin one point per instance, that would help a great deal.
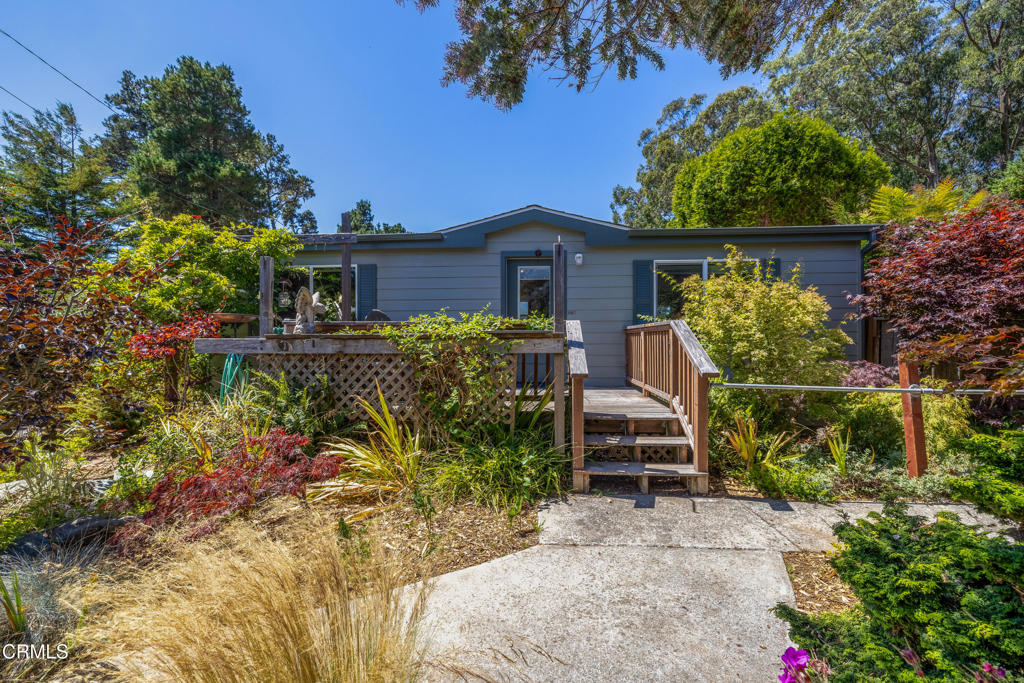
(795, 660)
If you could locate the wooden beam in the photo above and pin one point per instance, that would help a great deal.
(913, 420)
(346, 268)
(577, 351)
(558, 284)
(266, 295)
(336, 343)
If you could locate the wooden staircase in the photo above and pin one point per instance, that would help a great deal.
(628, 434)
(656, 426)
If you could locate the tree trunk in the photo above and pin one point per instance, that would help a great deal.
(172, 377)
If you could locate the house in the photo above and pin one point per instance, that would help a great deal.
(612, 277)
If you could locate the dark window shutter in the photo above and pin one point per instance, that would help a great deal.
(772, 267)
(366, 281)
(643, 290)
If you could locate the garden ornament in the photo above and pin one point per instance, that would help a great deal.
(307, 306)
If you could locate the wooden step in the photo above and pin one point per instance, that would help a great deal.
(644, 413)
(641, 469)
(623, 404)
(630, 440)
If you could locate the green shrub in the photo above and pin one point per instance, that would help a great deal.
(12, 526)
(872, 421)
(875, 421)
(502, 473)
(801, 483)
(938, 601)
(997, 485)
(457, 363)
(791, 170)
(311, 411)
(1010, 182)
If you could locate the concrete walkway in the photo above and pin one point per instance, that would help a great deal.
(636, 588)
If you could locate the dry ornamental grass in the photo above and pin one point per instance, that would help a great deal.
(248, 605)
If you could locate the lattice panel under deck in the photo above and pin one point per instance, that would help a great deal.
(358, 375)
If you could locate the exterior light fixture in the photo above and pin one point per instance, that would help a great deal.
(579, 258)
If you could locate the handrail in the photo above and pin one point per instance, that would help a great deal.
(698, 356)
(665, 359)
(577, 372)
(577, 352)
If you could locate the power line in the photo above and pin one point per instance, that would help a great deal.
(113, 109)
(170, 189)
(20, 100)
(66, 77)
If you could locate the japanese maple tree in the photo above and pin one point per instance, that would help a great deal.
(61, 307)
(954, 291)
(173, 343)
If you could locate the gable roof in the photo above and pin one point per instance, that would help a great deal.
(596, 232)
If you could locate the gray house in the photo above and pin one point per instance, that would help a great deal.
(612, 276)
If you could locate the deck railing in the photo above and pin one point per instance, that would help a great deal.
(664, 359)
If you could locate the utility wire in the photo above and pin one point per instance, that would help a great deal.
(66, 77)
(170, 189)
(105, 103)
(20, 100)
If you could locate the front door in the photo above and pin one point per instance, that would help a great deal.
(527, 287)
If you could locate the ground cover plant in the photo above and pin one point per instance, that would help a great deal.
(939, 601)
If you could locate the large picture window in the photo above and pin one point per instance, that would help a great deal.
(668, 302)
(327, 281)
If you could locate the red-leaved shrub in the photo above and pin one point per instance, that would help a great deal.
(173, 343)
(862, 373)
(954, 291)
(256, 470)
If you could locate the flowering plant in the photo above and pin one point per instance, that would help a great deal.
(798, 667)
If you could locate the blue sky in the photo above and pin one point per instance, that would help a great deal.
(352, 89)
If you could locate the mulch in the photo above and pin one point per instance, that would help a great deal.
(816, 584)
(457, 536)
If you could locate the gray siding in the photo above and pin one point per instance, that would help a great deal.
(599, 293)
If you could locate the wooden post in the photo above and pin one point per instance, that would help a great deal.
(913, 421)
(699, 425)
(266, 295)
(346, 269)
(580, 480)
(558, 285)
(559, 391)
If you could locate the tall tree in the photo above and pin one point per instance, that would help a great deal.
(504, 39)
(685, 130)
(362, 221)
(284, 189)
(186, 140)
(992, 70)
(887, 73)
(51, 170)
(793, 170)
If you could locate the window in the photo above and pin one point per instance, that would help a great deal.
(668, 302)
(533, 290)
(327, 281)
